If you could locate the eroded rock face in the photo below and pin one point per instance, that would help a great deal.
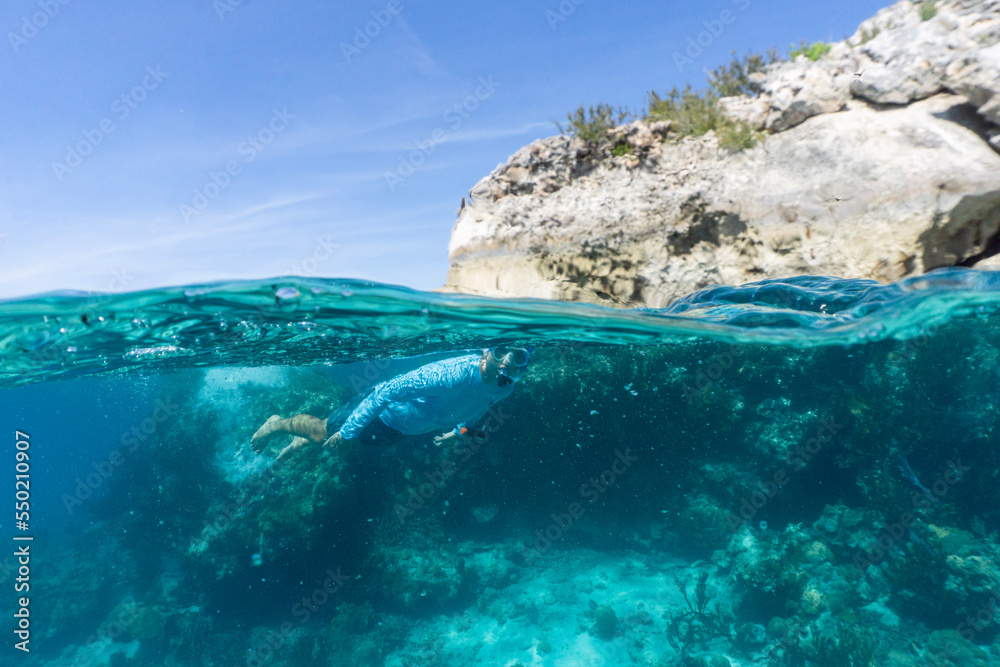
(878, 163)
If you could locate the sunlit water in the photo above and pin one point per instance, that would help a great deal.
(798, 472)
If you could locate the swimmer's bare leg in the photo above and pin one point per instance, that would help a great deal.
(297, 443)
(311, 428)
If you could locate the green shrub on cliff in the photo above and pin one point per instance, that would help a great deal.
(813, 51)
(928, 10)
(693, 113)
(593, 123)
(734, 78)
(738, 136)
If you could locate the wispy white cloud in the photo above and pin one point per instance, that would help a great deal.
(415, 53)
(485, 134)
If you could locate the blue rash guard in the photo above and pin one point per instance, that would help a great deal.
(440, 395)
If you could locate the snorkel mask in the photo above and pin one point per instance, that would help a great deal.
(512, 362)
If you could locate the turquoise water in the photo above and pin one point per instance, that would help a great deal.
(797, 472)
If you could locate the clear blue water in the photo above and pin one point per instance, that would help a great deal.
(820, 453)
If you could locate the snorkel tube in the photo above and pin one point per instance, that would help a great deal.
(504, 357)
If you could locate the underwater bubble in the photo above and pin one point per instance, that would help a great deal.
(257, 560)
(763, 525)
(156, 352)
(287, 293)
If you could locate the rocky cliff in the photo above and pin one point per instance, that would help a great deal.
(880, 160)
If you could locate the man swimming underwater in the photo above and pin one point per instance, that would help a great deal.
(438, 395)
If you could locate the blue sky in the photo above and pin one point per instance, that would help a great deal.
(148, 144)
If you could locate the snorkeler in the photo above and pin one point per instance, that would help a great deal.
(435, 396)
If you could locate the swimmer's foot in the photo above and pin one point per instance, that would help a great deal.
(260, 438)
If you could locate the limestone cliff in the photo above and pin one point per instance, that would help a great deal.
(880, 160)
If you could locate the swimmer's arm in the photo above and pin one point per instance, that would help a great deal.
(446, 436)
(398, 390)
(459, 431)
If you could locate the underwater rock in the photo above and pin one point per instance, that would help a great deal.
(488, 568)
(279, 516)
(711, 660)
(703, 524)
(811, 601)
(759, 564)
(417, 571)
(816, 552)
(948, 648)
(605, 622)
(877, 612)
(148, 624)
(898, 659)
(951, 540)
(973, 583)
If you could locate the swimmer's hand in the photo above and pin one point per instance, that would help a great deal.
(335, 440)
(444, 437)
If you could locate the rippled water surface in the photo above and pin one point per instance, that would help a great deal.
(798, 472)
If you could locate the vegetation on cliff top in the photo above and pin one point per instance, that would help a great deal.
(813, 51)
(691, 112)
